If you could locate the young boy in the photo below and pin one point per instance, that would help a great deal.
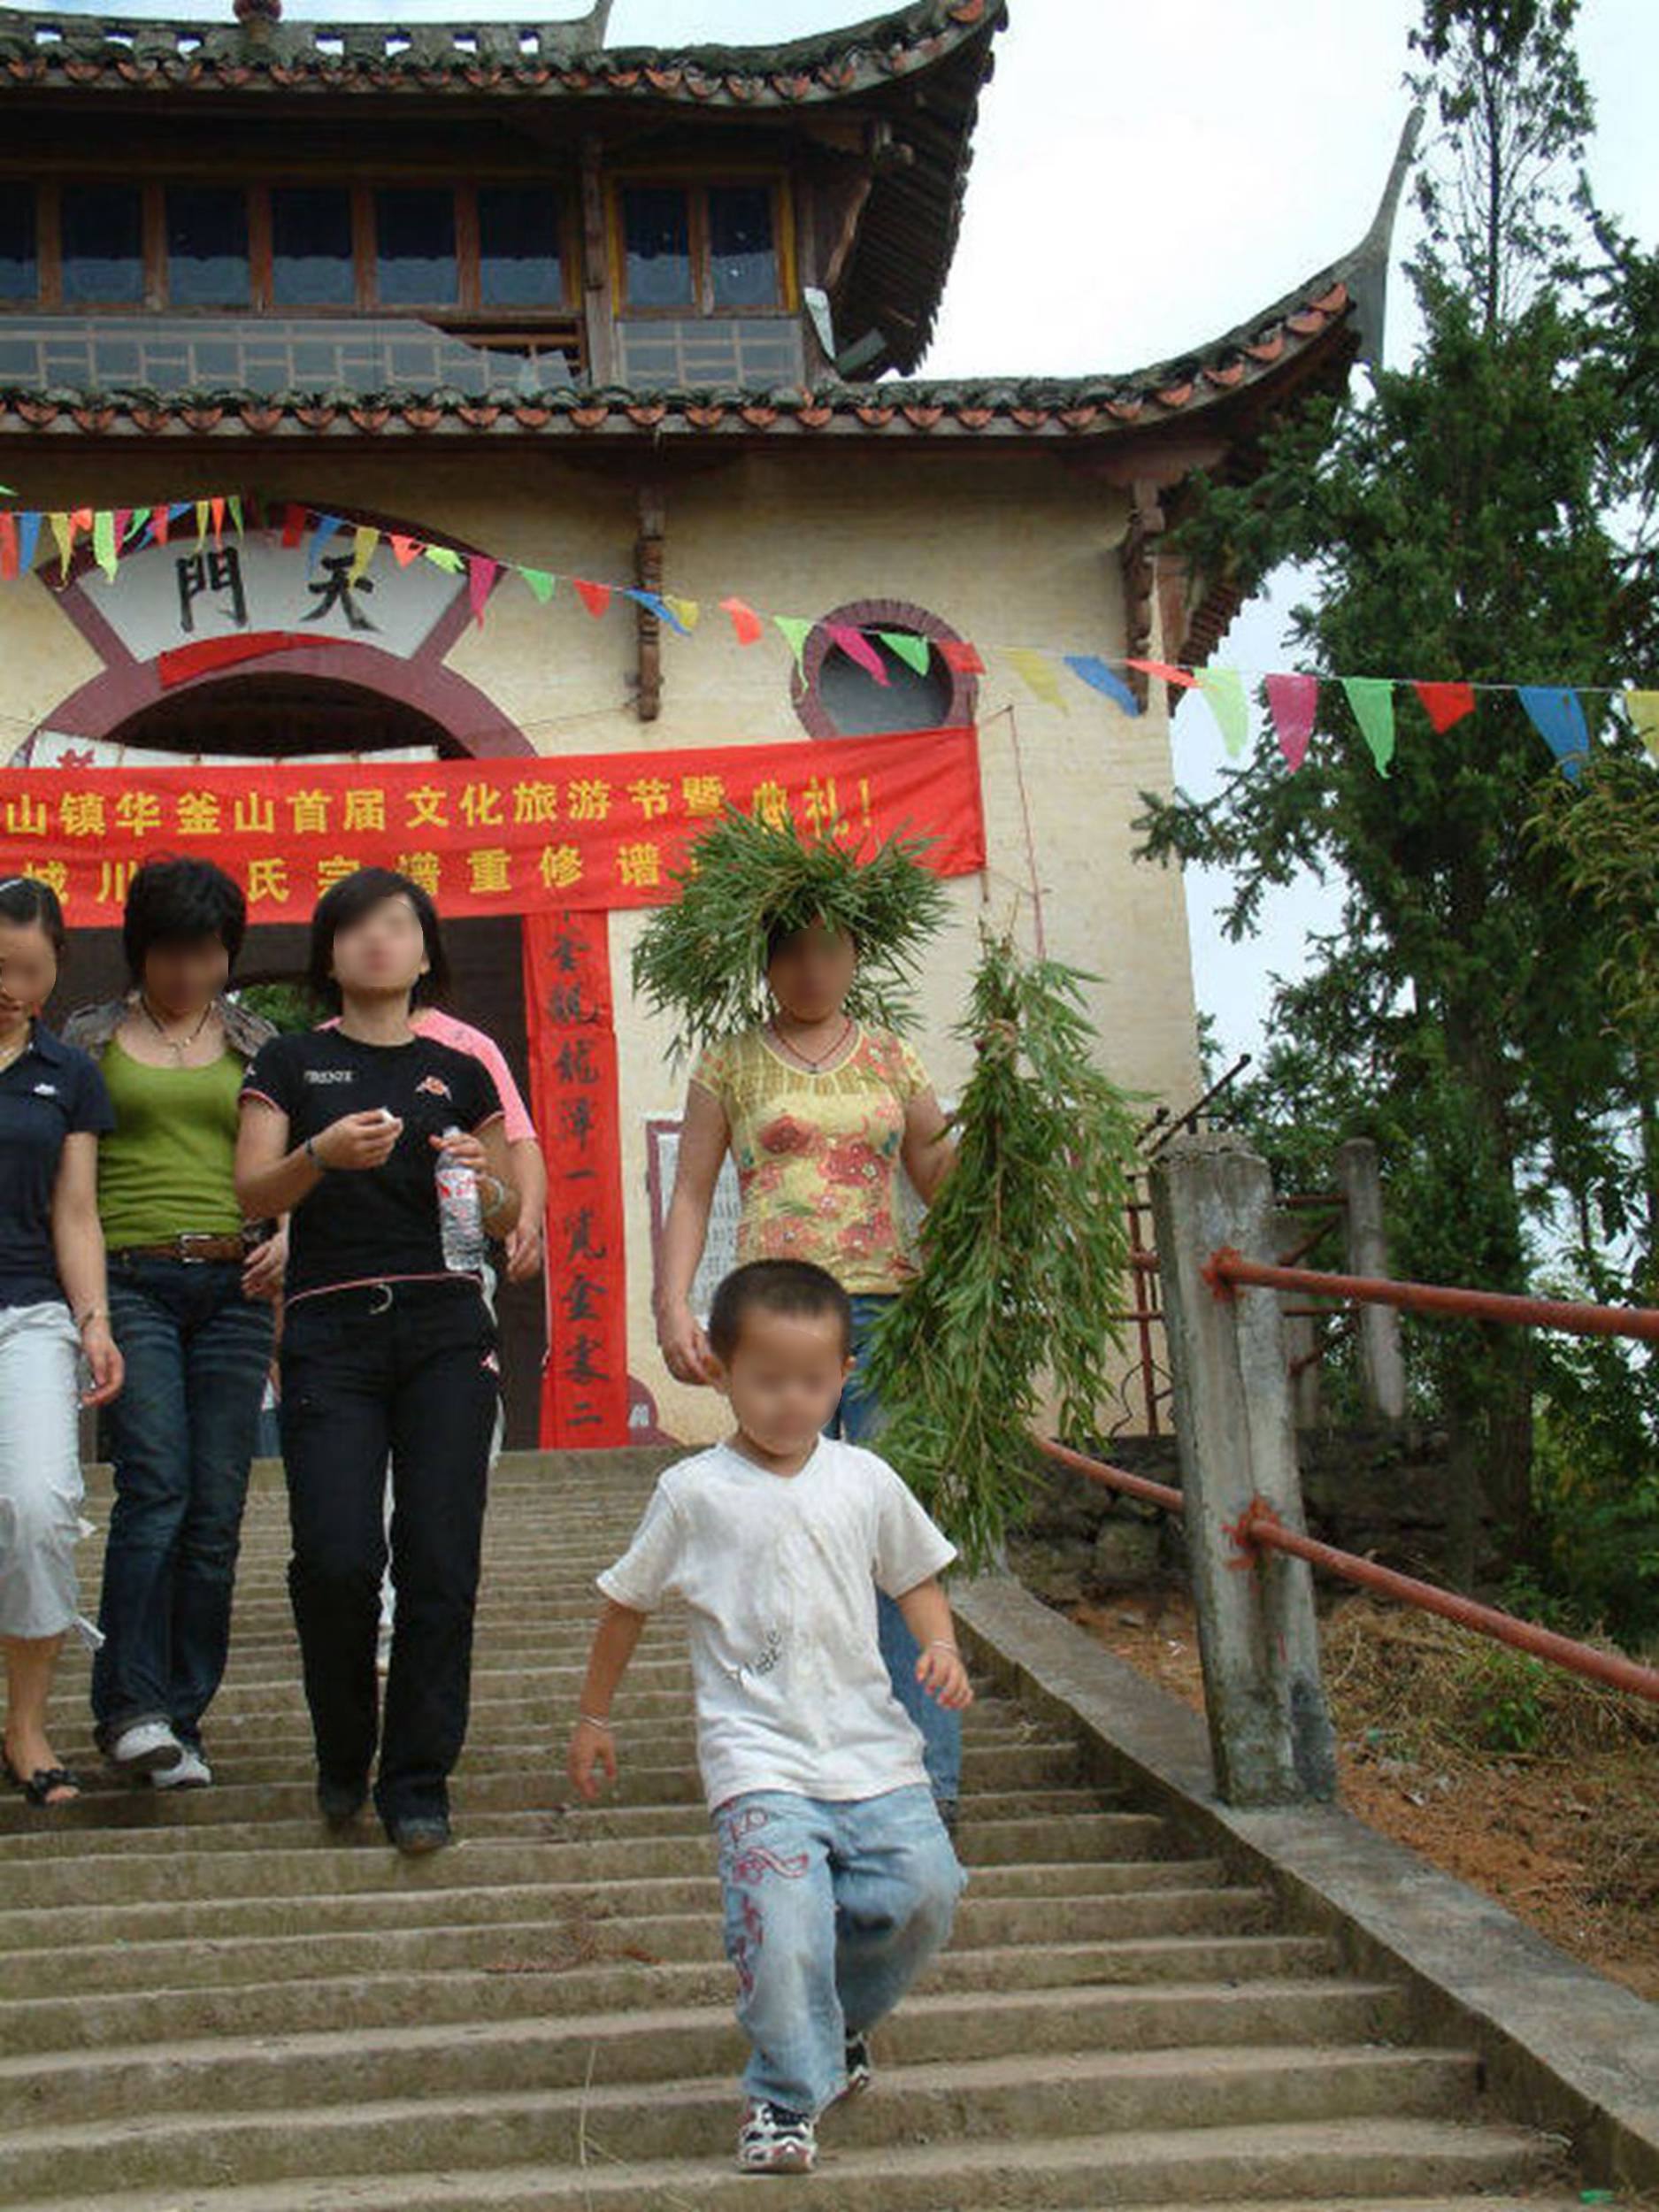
(840, 1881)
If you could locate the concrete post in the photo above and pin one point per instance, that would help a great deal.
(1382, 1365)
(1301, 1331)
(1269, 1730)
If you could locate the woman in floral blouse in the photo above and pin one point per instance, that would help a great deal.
(818, 1111)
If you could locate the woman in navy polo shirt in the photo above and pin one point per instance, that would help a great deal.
(54, 1310)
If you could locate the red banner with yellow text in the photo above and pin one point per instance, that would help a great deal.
(525, 835)
(572, 1051)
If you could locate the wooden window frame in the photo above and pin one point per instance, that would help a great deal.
(697, 184)
(469, 307)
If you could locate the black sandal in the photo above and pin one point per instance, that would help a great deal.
(39, 1787)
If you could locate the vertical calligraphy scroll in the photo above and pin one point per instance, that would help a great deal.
(573, 1087)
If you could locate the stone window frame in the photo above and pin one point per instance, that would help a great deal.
(875, 614)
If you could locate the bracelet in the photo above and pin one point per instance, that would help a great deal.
(315, 1158)
(92, 1313)
(940, 1644)
(591, 1720)
(500, 1189)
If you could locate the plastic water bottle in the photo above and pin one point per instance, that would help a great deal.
(460, 1215)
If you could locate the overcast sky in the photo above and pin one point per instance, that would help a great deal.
(1143, 180)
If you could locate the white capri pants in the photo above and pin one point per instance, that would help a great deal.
(41, 1484)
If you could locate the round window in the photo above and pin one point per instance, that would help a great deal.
(839, 694)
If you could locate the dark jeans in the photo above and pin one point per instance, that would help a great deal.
(858, 1419)
(407, 1370)
(181, 1435)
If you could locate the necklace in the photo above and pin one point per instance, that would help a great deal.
(177, 1047)
(805, 1059)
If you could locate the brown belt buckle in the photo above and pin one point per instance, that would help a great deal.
(192, 1237)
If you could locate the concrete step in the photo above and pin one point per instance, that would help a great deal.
(585, 1971)
(1366, 2166)
(247, 2073)
(1070, 2094)
(691, 1932)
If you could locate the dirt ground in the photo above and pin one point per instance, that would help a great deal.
(1541, 1790)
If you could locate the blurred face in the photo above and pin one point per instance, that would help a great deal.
(185, 976)
(811, 973)
(785, 1378)
(384, 951)
(28, 971)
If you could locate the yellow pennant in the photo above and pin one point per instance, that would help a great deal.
(1038, 671)
(363, 544)
(1643, 709)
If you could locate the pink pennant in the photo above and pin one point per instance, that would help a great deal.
(404, 550)
(857, 648)
(1292, 702)
(481, 572)
(1166, 672)
(1446, 704)
(123, 519)
(595, 597)
(745, 621)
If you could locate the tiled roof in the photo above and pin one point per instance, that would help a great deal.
(560, 58)
(1309, 338)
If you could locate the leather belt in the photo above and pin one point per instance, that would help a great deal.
(191, 1249)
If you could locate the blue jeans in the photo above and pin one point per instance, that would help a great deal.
(831, 1911)
(181, 1435)
(858, 1419)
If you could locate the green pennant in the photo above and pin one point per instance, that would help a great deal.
(541, 582)
(234, 508)
(104, 549)
(135, 522)
(796, 628)
(1224, 687)
(904, 645)
(1372, 700)
(446, 557)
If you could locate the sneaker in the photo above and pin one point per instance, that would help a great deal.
(192, 1772)
(860, 2072)
(149, 1747)
(341, 1802)
(419, 1834)
(775, 2141)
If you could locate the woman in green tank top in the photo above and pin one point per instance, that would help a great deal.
(190, 1290)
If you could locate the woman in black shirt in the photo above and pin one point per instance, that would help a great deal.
(387, 1347)
(54, 1312)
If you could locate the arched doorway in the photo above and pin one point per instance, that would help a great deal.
(288, 715)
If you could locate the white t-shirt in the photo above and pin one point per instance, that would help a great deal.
(781, 1573)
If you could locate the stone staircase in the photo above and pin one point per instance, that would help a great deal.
(205, 2002)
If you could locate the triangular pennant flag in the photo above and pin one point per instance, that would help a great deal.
(8, 549)
(859, 649)
(796, 629)
(481, 572)
(216, 508)
(1094, 673)
(595, 597)
(235, 505)
(1292, 700)
(404, 550)
(160, 525)
(364, 541)
(1446, 704)
(1166, 672)
(1558, 718)
(79, 518)
(138, 526)
(203, 511)
(292, 526)
(1224, 687)
(688, 612)
(63, 532)
(541, 581)
(746, 623)
(961, 658)
(443, 556)
(28, 539)
(120, 523)
(654, 603)
(103, 550)
(904, 645)
(327, 527)
(1037, 672)
(1643, 709)
(1372, 700)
